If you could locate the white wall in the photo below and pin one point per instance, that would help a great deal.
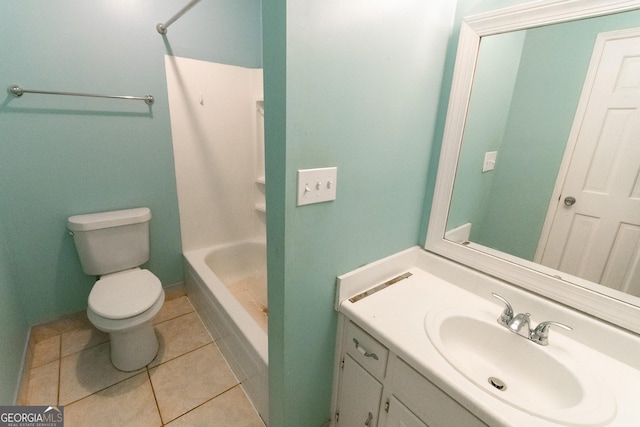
(213, 120)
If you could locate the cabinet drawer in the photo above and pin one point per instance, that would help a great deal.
(428, 402)
(366, 350)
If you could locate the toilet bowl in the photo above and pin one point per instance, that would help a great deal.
(124, 304)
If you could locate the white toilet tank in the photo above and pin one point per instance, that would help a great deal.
(111, 241)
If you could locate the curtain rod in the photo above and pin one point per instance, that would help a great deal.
(162, 28)
(17, 91)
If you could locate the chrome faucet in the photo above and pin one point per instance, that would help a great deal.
(520, 321)
(539, 335)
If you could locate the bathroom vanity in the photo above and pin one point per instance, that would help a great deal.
(402, 358)
(380, 388)
(523, 308)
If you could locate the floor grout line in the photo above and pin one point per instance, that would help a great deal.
(155, 398)
(174, 318)
(177, 357)
(81, 350)
(205, 402)
(59, 371)
(98, 391)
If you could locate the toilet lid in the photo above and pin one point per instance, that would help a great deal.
(126, 294)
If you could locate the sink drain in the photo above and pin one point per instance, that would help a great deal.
(497, 383)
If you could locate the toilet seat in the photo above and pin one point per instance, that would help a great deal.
(124, 294)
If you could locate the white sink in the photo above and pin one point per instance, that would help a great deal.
(543, 381)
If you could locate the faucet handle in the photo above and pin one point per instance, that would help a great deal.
(507, 314)
(540, 334)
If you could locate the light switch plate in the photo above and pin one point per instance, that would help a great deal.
(489, 161)
(317, 185)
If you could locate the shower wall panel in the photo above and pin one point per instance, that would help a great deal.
(213, 126)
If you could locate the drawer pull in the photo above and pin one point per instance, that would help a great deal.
(368, 422)
(364, 352)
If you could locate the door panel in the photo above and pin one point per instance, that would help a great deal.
(596, 237)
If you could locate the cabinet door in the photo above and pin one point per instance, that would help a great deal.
(358, 397)
(400, 416)
(433, 406)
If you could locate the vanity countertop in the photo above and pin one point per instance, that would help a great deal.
(396, 314)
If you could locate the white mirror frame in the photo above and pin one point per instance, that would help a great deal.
(571, 291)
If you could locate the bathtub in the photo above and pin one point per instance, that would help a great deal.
(209, 273)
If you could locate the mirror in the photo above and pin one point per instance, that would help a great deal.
(524, 165)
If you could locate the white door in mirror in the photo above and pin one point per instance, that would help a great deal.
(317, 185)
(595, 235)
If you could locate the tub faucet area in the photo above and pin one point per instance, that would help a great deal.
(539, 334)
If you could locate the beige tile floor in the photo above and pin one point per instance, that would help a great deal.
(188, 383)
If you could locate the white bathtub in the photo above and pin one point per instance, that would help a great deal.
(241, 339)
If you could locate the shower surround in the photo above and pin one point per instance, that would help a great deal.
(218, 139)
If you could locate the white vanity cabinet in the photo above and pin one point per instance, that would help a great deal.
(378, 388)
(362, 369)
(400, 416)
(391, 359)
(359, 396)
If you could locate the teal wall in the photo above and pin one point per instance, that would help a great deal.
(274, 42)
(463, 8)
(353, 85)
(67, 155)
(494, 81)
(14, 330)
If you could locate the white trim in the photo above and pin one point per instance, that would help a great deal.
(544, 12)
(22, 385)
(604, 303)
(459, 234)
(377, 272)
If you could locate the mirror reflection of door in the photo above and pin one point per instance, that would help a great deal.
(593, 227)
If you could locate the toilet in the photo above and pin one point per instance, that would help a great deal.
(124, 300)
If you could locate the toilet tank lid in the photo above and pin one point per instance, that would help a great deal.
(98, 220)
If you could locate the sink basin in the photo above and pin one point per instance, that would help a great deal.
(543, 381)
